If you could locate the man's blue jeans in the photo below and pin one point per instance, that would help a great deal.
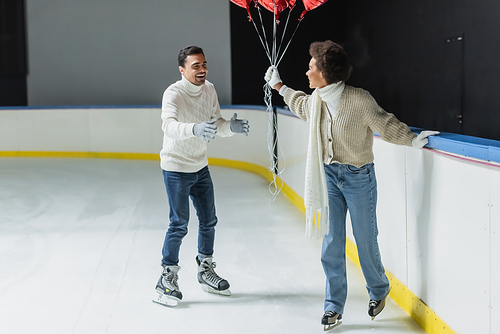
(354, 189)
(180, 187)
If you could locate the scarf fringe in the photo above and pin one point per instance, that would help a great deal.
(316, 220)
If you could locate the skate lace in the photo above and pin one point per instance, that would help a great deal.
(171, 279)
(329, 314)
(373, 303)
(210, 274)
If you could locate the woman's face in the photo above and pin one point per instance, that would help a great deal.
(316, 79)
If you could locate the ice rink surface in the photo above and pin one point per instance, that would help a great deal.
(80, 251)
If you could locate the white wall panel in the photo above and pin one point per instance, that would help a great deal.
(53, 130)
(495, 249)
(448, 238)
(124, 130)
(9, 130)
(391, 208)
(293, 139)
(155, 132)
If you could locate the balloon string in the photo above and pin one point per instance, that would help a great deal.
(274, 149)
(273, 57)
(272, 134)
(264, 45)
(286, 48)
(284, 30)
(274, 53)
(272, 145)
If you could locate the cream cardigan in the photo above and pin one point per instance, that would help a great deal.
(348, 137)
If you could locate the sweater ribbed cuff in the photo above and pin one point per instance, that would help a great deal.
(283, 90)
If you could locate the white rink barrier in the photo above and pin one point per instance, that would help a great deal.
(438, 208)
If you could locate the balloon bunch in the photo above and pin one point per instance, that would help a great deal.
(279, 5)
(276, 7)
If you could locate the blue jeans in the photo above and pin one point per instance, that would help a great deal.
(354, 189)
(180, 187)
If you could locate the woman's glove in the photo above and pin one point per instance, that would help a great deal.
(421, 140)
(272, 76)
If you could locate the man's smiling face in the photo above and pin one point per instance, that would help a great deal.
(195, 69)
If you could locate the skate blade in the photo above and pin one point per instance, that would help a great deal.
(209, 289)
(165, 300)
(332, 326)
(373, 316)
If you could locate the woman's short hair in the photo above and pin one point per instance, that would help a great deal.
(187, 51)
(331, 60)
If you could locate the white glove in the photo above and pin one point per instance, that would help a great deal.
(272, 76)
(421, 140)
(205, 130)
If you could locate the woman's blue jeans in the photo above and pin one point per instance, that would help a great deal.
(354, 189)
(180, 187)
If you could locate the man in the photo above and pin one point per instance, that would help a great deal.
(191, 118)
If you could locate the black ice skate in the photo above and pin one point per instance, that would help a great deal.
(209, 280)
(167, 288)
(375, 307)
(331, 320)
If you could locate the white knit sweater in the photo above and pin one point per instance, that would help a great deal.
(184, 105)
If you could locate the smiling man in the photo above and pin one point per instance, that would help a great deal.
(191, 118)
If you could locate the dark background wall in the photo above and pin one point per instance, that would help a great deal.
(434, 64)
(12, 54)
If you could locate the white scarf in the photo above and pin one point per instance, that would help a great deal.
(316, 192)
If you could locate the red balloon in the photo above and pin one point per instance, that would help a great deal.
(310, 5)
(277, 6)
(245, 4)
(242, 3)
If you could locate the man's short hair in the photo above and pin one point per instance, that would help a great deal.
(187, 51)
(331, 60)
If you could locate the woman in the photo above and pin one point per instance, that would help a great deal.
(340, 174)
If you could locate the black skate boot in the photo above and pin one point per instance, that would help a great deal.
(331, 320)
(167, 287)
(209, 280)
(375, 307)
